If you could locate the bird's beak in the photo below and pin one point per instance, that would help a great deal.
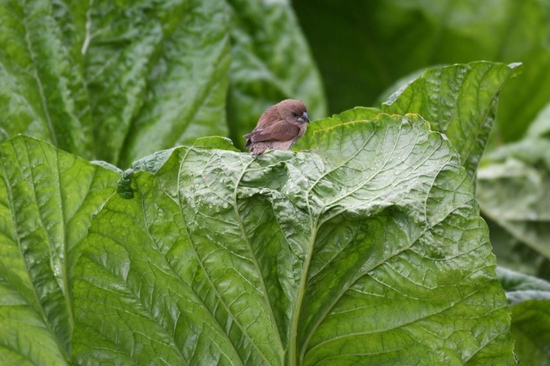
(303, 118)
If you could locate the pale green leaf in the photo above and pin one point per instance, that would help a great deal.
(541, 125)
(514, 191)
(457, 100)
(520, 287)
(514, 254)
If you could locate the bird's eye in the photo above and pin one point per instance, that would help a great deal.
(295, 114)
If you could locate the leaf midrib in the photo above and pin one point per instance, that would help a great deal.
(254, 260)
(320, 223)
(315, 224)
(206, 273)
(36, 76)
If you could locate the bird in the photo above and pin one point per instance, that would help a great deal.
(279, 127)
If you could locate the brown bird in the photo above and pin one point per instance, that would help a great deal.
(279, 127)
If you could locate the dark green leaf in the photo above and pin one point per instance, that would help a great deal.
(530, 302)
(119, 80)
(531, 331)
(187, 87)
(157, 74)
(44, 212)
(41, 87)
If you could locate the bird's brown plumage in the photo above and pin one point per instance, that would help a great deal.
(279, 127)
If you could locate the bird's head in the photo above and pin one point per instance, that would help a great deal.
(293, 111)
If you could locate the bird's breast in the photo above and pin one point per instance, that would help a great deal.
(282, 145)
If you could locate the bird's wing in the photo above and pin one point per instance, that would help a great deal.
(277, 131)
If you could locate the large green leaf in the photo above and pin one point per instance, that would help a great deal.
(529, 298)
(187, 86)
(368, 251)
(271, 62)
(157, 74)
(41, 88)
(47, 199)
(457, 100)
(363, 47)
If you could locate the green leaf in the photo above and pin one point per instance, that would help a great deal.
(187, 87)
(541, 125)
(157, 75)
(368, 250)
(351, 115)
(44, 212)
(530, 302)
(514, 254)
(41, 86)
(520, 287)
(530, 328)
(459, 101)
(514, 191)
(215, 142)
(271, 61)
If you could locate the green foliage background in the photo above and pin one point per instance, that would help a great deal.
(365, 248)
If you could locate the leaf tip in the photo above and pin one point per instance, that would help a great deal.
(124, 185)
(215, 142)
